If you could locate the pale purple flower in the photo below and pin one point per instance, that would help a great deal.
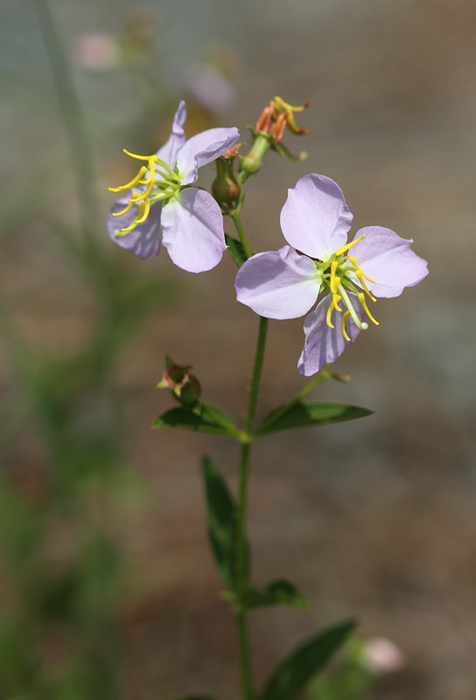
(211, 89)
(163, 207)
(285, 284)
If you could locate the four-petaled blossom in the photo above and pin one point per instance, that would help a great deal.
(162, 207)
(286, 283)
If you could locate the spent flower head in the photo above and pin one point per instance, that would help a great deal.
(318, 260)
(163, 207)
(179, 378)
(269, 131)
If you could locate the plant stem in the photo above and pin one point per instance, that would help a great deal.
(241, 232)
(242, 566)
(73, 120)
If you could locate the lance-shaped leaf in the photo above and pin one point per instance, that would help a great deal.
(279, 592)
(304, 414)
(236, 250)
(209, 419)
(221, 521)
(295, 672)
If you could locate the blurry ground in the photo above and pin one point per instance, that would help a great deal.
(376, 518)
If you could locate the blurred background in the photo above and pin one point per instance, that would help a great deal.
(107, 586)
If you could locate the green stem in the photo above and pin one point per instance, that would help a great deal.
(242, 568)
(73, 120)
(241, 232)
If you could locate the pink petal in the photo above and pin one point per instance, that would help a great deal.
(203, 148)
(389, 260)
(278, 284)
(315, 218)
(144, 239)
(176, 140)
(192, 227)
(323, 344)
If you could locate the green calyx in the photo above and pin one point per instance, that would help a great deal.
(225, 188)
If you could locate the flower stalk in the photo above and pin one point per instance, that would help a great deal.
(242, 574)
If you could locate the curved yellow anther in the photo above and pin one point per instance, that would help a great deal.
(360, 276)
(344, 319)
(133, 155)
(128, 208)
(366, 308)
(144, 208)
(332, 283)
(329, 314)
(132, 183)
(345, 248)
(128, 228)
(279, 103)
(288, 107)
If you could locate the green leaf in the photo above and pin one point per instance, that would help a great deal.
(210, 419)
(236, 250)
(303, 414)
(294, 673)
(221, 521)
(279, 592)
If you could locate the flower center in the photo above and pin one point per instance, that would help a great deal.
(156, 186)
(336, 275)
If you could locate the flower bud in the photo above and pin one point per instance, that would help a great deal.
(185, 386)
(189, 393)
(252, 162)
(225, 189)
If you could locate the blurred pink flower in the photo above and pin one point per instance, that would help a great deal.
(381, 655)
(96, 51)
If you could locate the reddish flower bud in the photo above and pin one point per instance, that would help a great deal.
(185, 386)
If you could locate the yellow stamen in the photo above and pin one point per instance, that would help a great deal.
(345, 248)
(345, 297)
(129, 228)
(168, 182)
(132, 183)
(288, 107)
(329, 314)
(344, 319)
(360, 276)
(332, 283)
(144, 208)
(133, 155)
(366, 308)
(357, 267)
(128, 208)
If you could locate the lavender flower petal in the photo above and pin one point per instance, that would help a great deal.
(279, 284)
(144, 239)
(192, 227)
(389, 260)
(315, 218)
(323, 344)
(176, 140)
(202, 149)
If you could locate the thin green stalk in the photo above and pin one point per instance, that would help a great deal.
(241, 232)
(242, 573)
(73, 120)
